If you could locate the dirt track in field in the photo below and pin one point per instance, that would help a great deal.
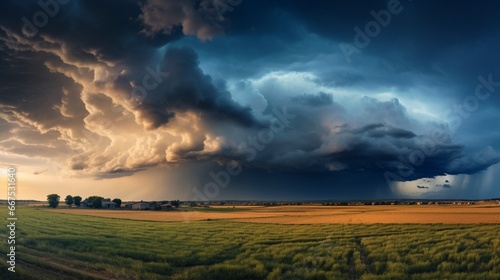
(385, 214)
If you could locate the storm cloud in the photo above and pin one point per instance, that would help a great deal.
(200, 18)
(110, 89)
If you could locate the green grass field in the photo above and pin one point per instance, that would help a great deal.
(64, 246)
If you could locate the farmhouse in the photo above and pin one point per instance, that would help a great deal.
(141, 206)
(109, 204)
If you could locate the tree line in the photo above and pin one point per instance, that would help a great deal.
(91, 201)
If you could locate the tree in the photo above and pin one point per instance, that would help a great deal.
(53, 200)
(176, 203)
(77, 200)
(95, 201)
(69, 200)
(117, 201)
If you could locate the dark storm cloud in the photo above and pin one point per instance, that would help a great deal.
(429, 28)
(33, 102)
(451, 45)
(201, 18)
(446, 44)
(79, 44)
(378, 130)
(72, 85)
(185, 87)
(34, 91)
(109, 27)
(92, 32)
(373, 147)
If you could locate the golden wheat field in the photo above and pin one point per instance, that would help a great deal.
(383, 214)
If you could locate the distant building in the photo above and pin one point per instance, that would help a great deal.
(167, 206)
(141, 206)
(109, 204)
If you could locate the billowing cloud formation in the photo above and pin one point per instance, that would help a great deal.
(199, 18)
(181, 86)
(130, 92)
